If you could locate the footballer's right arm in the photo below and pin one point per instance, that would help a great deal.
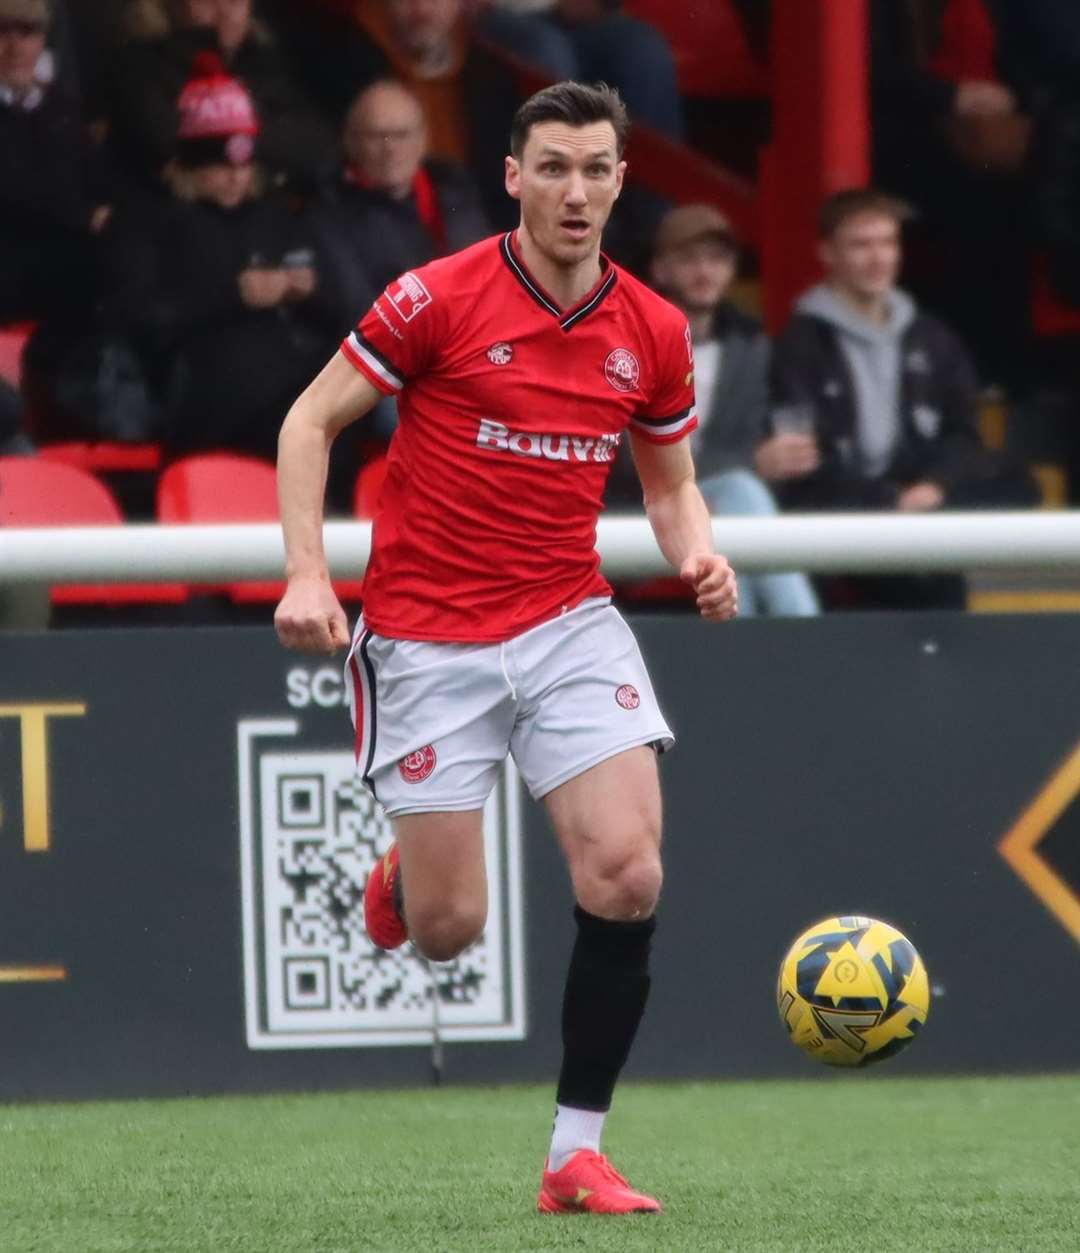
(309, 617)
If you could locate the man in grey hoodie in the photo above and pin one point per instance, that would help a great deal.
(874, 403)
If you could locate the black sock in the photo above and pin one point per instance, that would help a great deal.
(607, 986)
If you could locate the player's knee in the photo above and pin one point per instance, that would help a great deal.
(626, 889)
(444, 933)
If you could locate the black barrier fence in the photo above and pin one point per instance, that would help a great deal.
(183, 845)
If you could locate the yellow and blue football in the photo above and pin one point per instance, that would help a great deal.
(852, 990)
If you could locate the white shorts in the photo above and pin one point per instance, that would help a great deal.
(434, 722)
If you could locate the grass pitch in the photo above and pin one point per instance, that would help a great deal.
(849, 1163)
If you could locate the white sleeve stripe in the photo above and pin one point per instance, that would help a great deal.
(669, 428)
(373, 363)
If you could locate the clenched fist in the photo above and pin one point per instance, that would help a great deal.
(310, 617)
(714, 582)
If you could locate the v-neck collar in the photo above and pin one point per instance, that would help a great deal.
(567, 318)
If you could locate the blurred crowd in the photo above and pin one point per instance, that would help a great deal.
(199, 197)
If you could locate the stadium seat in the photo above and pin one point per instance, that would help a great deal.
(219, 487)
(668, 589)
(226, 487)
(713, 56)
(12, 342)
(105, 457)
(37, 493)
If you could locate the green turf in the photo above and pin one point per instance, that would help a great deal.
(856, 1163)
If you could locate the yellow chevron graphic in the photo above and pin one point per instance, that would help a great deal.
(1019, 846)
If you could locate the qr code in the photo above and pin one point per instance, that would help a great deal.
(311, 833)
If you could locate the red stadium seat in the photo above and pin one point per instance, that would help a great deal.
(105, 457)
(36, 493)
(222, 487)
(12, 342)
(226, 487)
(368, 486)
(667, 589)
(713, 56)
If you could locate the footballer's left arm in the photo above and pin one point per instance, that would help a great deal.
(681, 523)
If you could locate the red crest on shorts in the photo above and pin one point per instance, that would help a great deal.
(417, 766)
(621, 370)
(627, 696)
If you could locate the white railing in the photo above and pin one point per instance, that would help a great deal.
(819, 543)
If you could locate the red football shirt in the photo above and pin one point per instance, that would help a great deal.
(510, 412)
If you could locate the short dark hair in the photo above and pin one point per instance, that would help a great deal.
(836, 210)
(576, 104)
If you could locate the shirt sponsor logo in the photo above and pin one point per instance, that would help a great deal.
(416, 767)
(498, 437)
(407, 296)
(627, 697)
(621, 370)
(500, 354)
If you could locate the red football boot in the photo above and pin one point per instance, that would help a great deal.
(382, 902)
(589, 1184)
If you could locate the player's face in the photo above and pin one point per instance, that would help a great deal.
(863, 255)
(227, 186)
(697, 275)
(568, 179)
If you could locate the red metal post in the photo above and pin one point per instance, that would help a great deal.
(821, 135)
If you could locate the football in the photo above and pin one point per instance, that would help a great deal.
(852, 990)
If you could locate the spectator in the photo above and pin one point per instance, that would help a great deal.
(694, 263)
(951, 136)
(393, 207)
(468, 98)
(592, 40)
(1045, 38)
(217, 283)
(52, 196)
(165, 35)
(874, 401)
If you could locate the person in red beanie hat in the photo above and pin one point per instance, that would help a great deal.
(215, 142)
(218, 282)
(151, 77)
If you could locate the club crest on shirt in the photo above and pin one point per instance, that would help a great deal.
(407, 295)
(621, 370)
(500, 354)
(416, 767)
(627, 697)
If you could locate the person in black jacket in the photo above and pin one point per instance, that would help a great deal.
(218, 284)
(392, 208)
(874, 403)
(52, 192)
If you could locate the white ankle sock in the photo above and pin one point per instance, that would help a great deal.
(574, 1129)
